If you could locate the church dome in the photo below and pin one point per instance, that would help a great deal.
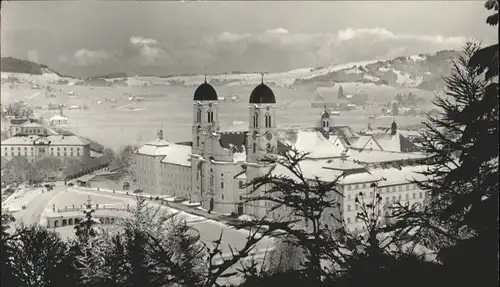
(205, 92)
(325, 114)
(262, 94)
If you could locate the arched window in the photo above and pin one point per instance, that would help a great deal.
(210, 114)
(254, 148)
(211, 181)
(198, 116)
(325, 123)
(256, 120)
(268, 120)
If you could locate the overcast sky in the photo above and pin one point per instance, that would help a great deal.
(95, 37)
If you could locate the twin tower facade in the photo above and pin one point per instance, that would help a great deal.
(222, 161)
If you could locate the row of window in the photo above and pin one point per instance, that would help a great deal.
(52, 148)
(32, 153)
(393, 199)
(393, 188)
(267, 117)
(210, 116)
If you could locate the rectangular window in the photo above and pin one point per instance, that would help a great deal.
(348, 197)
(393, 189)
(421, 195)
(348, 220)
(364, 185)
(400, 188)
(414, 195)
(407, 196)
(355, 186)
(407, 186)
(348, 207)
(399, 197)
(349, 187)
(387, 199)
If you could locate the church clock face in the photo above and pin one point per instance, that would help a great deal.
(269, 136)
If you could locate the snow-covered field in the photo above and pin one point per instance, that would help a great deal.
(113, 120)
(21, 197)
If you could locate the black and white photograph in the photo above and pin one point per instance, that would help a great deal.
(249, 143)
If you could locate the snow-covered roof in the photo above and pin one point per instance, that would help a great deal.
(158, 142)
(310, 169)
(378, 156)
(360, 142)
(316, 145)
(337, 141)
(18, 122)
(67, 140)
(395, 176)
(388, 142)
(157, 147)
(29, 124)
(397, 143)
(49, 140)
(342, 164)
(177, 154)
(58, 118)
(20, 140)
(362, 177)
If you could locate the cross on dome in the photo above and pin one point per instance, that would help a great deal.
(205, 72)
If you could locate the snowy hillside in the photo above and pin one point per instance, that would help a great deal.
(23, 71)
(424, 71)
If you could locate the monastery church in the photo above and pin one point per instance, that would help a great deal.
(214, 168)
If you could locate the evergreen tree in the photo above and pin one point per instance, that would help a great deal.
(461, 220)
(5, 251)
(86, 229)
(310, 214)
(37, 257)
(89, 252)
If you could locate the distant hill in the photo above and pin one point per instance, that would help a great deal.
(115, 75)
(13, 65)
(423, 71)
